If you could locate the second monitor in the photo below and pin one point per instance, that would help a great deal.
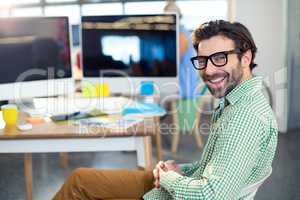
(123, 50)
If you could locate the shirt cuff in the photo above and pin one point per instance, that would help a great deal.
(168, 179)
(186, 169)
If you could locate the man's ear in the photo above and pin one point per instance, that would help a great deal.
(246, 58)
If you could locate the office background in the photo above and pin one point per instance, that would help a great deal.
(275, 27)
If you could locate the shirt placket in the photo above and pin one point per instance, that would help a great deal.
(213, 138)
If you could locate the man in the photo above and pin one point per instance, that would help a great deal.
(241, 144)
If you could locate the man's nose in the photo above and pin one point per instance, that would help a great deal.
(210, 69)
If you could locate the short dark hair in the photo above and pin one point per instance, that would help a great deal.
(235, 31)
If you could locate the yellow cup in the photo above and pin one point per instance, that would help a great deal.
(10, 114)
(102, 90)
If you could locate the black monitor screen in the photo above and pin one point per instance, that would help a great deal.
(133, 45)
(35, 48)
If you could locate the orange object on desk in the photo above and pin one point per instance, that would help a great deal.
(35, 120)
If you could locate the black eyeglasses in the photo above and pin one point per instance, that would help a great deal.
(218, 59)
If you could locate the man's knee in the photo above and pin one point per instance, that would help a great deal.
(80, 175)
(80, 171)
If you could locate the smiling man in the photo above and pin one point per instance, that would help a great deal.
(241, 144)
(243, 135)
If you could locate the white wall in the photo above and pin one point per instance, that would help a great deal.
(266, 20)
(293, 58)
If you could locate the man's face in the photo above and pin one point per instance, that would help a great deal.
(220, 80)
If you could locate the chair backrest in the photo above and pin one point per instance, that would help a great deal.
(249, 191)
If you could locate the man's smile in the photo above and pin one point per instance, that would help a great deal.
(217, 82)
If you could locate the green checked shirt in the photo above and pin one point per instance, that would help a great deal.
(239, 151)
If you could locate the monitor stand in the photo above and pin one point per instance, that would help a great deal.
(43, 106)
(25, 105)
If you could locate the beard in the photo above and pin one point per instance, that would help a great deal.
(229, 81)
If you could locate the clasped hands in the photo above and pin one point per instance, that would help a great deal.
(163, 167)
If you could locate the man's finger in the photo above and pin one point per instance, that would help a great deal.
(170, 161)
(160, 164)
(157, 184)
(155, 173)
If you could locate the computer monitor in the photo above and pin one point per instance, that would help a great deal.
(34, 57)
(123, 50)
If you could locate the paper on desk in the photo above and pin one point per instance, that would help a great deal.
(111, 123)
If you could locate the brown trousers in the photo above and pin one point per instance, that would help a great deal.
(93, 184)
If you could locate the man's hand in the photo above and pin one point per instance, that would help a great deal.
(156, 173)
(170, 165)
(163, 167)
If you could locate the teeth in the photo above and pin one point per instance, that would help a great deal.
(217, 79)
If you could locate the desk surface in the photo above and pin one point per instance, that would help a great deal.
(68, 130)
